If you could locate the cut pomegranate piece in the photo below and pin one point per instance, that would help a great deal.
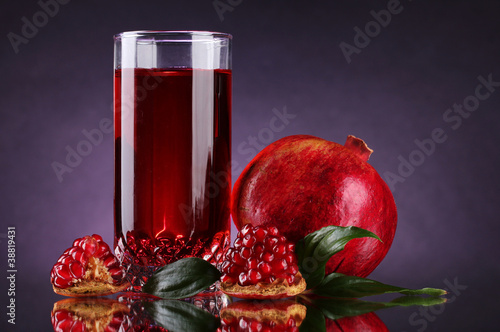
(261, 265)
(88, 268)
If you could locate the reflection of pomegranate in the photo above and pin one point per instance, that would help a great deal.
(89, 314)
(302, 183)
(261, 265)
(281, 316)
(366, 322)
(88, 268)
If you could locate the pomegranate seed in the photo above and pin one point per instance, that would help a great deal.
(245, 253)
(76, 269)
(290, 258)
(78, 326)
(61, 315)
(61, 282)
(98, 238)
(293, 269)
(243, 323)
(225, 266)
(279, 249)
(237, 242)
(89, 245)
(229, 253)
(279, 265)
(270, 242)
(110, 262)
(64, 325)
(252, 263)
(79, 255)
(258, 249)
(116, 272)
(103, 250)
(243, 279)
(62, 271)
(65, 259)
(290, 247)
(273, 231)
(256, 326)
(265, 268)
(233, 270)
(248, 240)
(226, 278)
(77, 242)
(238, 259)
(267, 257)
(269, 279)
(254, 276)
(245, 230)
(260, 234)
(290, 279)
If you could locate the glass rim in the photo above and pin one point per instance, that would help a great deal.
(168, 35)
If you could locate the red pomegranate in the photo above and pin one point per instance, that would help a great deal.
(302, 183)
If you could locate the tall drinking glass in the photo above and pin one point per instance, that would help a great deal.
(172, 118)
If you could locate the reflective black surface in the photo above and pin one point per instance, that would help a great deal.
(418, 73)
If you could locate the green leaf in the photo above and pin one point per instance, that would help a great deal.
(183, 278)
(314, 321)
(336, 308)
(314, 250)
(179, 316)
(340, 285)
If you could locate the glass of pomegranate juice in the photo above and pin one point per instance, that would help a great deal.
(172, 118)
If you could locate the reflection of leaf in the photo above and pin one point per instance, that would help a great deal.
(181, 279)
(179, 316)
(406, 301)
(314, 250)
(339, 285)
(336, 308)
(314, 321)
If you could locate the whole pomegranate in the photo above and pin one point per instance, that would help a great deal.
(302, 183)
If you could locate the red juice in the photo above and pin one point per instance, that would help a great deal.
(172, 166)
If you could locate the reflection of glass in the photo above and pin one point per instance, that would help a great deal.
(198, 313)
(172, 148)
(90, 314)
(134, 312)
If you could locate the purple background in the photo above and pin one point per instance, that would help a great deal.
(285, 55)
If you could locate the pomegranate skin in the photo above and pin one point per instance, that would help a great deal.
(366, 322)
(302, 183)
